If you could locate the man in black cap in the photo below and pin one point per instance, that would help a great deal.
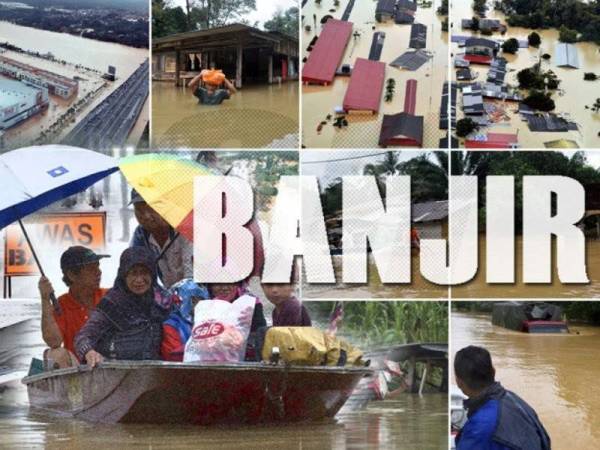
(174, 253)
(498, 419)
(82, 274)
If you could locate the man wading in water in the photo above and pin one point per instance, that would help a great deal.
(210, 93)
(497, 418)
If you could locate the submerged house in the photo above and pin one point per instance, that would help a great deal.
(431, 219)
(566, 55)
(479, 50)
(385, 10)
(473, 100)
(365, 87)
(529, 317)
(405, 11)
(418, 36)
(494, 141)
(401, 130)
(244, 53)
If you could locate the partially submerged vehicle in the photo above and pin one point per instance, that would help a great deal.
(529, 317)
(189, 393)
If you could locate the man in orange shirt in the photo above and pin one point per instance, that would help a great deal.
(81, 273)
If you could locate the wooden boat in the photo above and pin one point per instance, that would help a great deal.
(209, 394)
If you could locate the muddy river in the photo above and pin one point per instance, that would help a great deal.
(409, 422)
(255, 117)
(363, 131)
(572, 97)
(479, 288)
(556, 374)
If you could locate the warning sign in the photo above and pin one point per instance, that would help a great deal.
(58, 231)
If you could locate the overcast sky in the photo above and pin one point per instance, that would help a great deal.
(264, 9)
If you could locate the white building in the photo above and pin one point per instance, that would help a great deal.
(19, 101)
(55, 84)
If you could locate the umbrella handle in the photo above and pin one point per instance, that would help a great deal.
(57, 309)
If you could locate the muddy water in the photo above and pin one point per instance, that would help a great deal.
(556, 374)
(254, 117)
(374, 288)
(407, 423)
(363, 131)
(479, 288)
(571, 99)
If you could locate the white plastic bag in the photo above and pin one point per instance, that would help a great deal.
(220, 330)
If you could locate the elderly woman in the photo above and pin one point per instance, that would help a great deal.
(127, 323)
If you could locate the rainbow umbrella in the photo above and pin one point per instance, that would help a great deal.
(166, 182)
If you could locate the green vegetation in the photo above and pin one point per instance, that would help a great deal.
(596, 106)
(390, 89)
(479, 6)
(445, 24)
(443, 9)
(535, 78)
(511, 46)
(465, 126)
(567, 35)
(583, 16)
(285, 22)
(383, 323)
(519, 164)
(534, 39)
(590, 76)
(540, 100)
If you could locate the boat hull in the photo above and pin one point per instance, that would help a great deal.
(159, 392)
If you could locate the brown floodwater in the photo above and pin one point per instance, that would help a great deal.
(255, 117)
(363, 131)
(556, 374)
(572, 97)
(479, 288)
(374, 288)
(406, 423)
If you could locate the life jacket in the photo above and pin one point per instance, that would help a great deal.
(138, 335)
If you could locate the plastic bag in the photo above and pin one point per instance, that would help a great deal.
(220, 330)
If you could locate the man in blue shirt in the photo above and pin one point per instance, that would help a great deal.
(498, 419)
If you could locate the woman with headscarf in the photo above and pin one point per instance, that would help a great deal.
(127, 323)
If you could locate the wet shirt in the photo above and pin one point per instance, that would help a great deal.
(214, 99)
(73, 316)
(291, 313)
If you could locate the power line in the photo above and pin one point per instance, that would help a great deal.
(343, 159)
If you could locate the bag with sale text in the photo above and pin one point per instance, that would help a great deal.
(220, 330)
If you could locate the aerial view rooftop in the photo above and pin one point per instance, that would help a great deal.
(373, 73)
(526, 73)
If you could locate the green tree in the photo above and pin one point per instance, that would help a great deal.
(540, 100)
(167, 20)
(465, 126)
(285, 22)
(217, 13)
(511, 46)
(596, 106)
(567, 35)
(534, 39)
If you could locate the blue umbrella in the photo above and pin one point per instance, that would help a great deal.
(32, 178)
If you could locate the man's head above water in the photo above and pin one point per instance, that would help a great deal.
(473, 370)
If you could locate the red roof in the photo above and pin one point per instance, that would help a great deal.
(495, 140)
(366, 86)
(478, 59)
(410, 97)
(327, 52)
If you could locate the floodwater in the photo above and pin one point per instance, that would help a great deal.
(407, 423)
(479, 288)
(363, 130)
(374, 288)
(94, 56)
(556, 374)
(571, 99)
(256, 116)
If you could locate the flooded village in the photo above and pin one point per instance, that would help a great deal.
(374, 74)
(522, 87)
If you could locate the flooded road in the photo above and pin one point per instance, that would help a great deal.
(255, 117)
(574, 93)
(363, 130)
(409, 422)
(479, 288)
(556, 374)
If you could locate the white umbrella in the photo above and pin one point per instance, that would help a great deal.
(34, 177)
